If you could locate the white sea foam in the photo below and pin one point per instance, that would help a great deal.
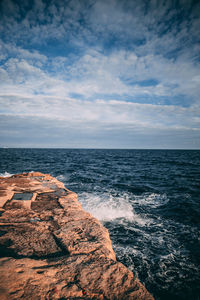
(105, 207)
(5, 174)
(64, 178)
(153, 199)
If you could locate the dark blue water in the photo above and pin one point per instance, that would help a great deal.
(148, 199)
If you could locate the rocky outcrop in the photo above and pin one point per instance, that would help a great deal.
(52, 249)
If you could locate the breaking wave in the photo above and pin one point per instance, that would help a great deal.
(106, 207)
(5, 174)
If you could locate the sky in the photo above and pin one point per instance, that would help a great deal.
(100, 74)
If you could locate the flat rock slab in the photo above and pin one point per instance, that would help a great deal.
(50, 248)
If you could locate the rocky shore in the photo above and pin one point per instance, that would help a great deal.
(50, 248)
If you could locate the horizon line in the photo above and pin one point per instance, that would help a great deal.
(100, 148)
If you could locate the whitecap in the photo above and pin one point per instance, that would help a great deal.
(5, 174)
(105, 208)
(153, 200)
(63, 178)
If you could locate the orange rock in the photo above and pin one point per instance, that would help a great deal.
(52, 249)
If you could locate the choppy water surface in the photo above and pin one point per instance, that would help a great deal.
(148, 200)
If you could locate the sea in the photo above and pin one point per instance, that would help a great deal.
(149, 200)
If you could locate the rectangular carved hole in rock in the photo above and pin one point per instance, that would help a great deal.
(22, 196)
(47, 201)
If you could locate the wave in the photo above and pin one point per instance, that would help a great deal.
(152, 200)
(6, 174)
(105, 207)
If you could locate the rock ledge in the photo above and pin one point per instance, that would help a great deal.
(50, 248)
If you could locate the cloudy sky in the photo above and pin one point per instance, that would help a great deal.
(100, 73)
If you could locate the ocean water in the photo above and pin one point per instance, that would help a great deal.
(148, 199)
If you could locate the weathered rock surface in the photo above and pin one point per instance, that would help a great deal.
(51, 248)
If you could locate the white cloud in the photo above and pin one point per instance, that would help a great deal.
(102, 113)
(26, 89)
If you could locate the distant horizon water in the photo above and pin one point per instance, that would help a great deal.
(103, 148)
